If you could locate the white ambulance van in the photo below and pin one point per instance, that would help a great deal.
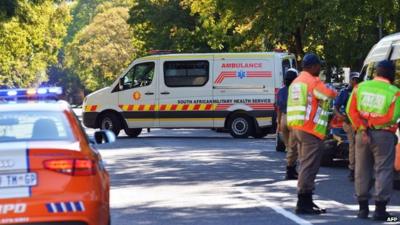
(235, 91)
(387, 48)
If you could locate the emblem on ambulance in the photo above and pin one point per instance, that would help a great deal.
(241, 74)
(137, 95)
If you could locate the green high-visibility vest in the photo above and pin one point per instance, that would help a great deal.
(374, 98)
(299, 109)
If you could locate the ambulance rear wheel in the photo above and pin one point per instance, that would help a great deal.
(133, 132)
(110, 121)
(241, 126)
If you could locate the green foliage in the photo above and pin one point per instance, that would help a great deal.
(29, 41)
(101, 50)
(82, 13)
(340, 31)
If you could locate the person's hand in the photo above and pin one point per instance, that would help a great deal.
(366, 139)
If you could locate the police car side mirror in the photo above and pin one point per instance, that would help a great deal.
(104, 136)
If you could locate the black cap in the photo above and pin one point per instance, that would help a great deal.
(311, 59)
(386, 69)
(291, 74)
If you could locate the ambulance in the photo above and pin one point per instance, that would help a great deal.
(233, 91)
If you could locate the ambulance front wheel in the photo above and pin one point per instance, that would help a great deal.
(110, 121)
(133, 132)
(241, 126)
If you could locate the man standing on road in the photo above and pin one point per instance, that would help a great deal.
(374, 108)
(340, 111)
(307, 116)
(281, 103)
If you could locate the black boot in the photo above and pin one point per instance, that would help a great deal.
(380, 213)
(305, 205)
(351, 176)
(364, 209)
(291, 173)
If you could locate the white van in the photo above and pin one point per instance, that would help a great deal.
(235, 91)
(387, 48)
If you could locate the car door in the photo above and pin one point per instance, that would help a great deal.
(185, 98)
(137, 95)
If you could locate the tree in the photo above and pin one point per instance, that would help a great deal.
(100, 52)
(29, 41)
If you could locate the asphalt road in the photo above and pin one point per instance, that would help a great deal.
(203, 177)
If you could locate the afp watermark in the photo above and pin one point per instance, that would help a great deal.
(392, 219)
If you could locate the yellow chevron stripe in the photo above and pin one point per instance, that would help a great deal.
(179, 108)
(191, 107)
(168, 107)
(146, 108)
(135, 108)
(202, 107)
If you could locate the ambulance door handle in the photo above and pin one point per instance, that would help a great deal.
(149, 93)
(165, 93)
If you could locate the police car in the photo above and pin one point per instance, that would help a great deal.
(50, 172)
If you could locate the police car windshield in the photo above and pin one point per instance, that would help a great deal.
(34, 126)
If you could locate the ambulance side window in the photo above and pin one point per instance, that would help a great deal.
(140, 75)
(186, 73)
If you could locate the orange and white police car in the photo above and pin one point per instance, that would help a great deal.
(50, 172)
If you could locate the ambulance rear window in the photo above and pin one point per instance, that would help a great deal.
(186, 73)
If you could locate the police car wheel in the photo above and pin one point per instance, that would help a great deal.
(133, 132)
(110, 122)
(241, 126)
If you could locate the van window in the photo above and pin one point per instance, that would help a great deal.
(140, 75)
(371, 71)
(186, 73)
(285, 66)
(380, 52)
(397, 78)
(294, 64)
(395, 57)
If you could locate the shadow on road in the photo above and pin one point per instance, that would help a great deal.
(199, 180)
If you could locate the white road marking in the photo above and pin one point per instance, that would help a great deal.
(274, 207)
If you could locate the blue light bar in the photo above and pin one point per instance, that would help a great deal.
(12, 93)
(56, 90)
(31, 93)
(42, 91)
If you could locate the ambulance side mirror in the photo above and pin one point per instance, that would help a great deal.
(121, 83)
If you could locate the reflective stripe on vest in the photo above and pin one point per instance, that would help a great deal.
(299, 109)
(297, 104)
